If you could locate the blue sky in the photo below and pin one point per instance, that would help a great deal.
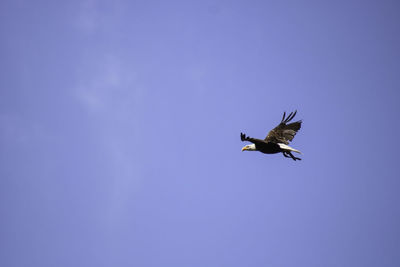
(120, 123)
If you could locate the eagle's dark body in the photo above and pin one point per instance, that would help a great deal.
(266, 147)
(278, 138)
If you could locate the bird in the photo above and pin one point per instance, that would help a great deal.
(277, 140)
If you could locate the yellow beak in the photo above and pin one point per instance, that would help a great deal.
(244, 148)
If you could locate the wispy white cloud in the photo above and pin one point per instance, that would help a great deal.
(93, 15)
(87, 18)
(107, 88)
(19, 131)
(106, 84)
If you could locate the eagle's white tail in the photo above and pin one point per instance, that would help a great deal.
(286, 147)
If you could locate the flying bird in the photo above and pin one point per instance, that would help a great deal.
(277, 139)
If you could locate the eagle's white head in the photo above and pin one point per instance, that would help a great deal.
(251, 147)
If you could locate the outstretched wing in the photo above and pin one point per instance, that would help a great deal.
(284, 133)
(243, 137)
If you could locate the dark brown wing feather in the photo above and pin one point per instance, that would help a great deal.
(243, 137)
(284, 133)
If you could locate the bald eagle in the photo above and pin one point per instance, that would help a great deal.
(277, 139)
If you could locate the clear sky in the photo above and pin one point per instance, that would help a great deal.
(120, 131)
